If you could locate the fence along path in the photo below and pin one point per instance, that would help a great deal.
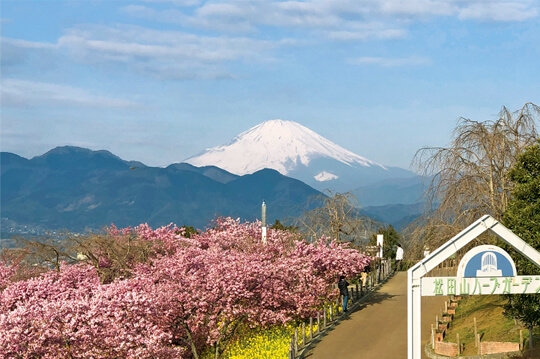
(377, 328)
(332, 314)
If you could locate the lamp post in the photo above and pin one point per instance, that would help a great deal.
(263, 220)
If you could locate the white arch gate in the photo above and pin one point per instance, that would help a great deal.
(415, 274)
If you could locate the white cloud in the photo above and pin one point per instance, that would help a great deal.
(171, 15)
(311, 21)
(390, 62)
(175, 16)
(337, 16)
(135, 44)
(140, 11)
(27, 44)
(249, 16)
(226, 10)
(184, 55)
(22, 93)
(179, 72)
(175, 2)
(417, 7)
(499, 11)
(212, 35)
(366, 34)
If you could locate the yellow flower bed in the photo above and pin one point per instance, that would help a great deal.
(272, 343)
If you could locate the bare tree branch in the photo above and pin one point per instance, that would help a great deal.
(337, 215)
(469, 178)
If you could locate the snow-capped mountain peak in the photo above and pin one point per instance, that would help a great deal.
(281, 145)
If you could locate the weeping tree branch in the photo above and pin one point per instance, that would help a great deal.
(469, 178)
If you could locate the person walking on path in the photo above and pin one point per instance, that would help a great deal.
(343, 286)
(399, 257)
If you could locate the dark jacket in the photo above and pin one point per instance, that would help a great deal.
(342, 285)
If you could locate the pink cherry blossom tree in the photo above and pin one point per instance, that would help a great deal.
(189, 296)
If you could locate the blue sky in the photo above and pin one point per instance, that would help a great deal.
(162, 80)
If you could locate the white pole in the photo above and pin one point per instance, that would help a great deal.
(380, 240)
(414, 311)
(263, 220)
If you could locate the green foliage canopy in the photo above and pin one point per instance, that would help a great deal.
(523, 213)
(278, 225)
(523, 217)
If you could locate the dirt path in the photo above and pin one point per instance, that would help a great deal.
(378, 328)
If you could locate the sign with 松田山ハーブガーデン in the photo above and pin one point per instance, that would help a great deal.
(479, 286)
(483, 270)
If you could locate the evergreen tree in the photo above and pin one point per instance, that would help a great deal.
(189, 231)
(523, 218)
(278, 225)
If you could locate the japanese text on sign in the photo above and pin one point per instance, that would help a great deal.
(433, 286)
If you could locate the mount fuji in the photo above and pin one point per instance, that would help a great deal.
(298, 152)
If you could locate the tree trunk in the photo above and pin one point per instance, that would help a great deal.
(191, 342)
(531, 336)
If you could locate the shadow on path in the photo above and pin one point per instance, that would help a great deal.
(374, 298)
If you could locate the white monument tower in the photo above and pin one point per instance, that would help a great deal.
(380, 242)
(263, 220)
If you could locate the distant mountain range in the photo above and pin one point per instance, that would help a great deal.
(281, 162)
(78, 189)
(399, 215)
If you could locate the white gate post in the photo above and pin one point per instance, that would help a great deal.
(414, 316)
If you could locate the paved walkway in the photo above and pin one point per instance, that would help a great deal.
(378, 328)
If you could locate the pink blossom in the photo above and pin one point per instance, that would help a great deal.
(191, 296)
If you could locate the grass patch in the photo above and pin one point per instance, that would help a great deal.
(492, 325)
